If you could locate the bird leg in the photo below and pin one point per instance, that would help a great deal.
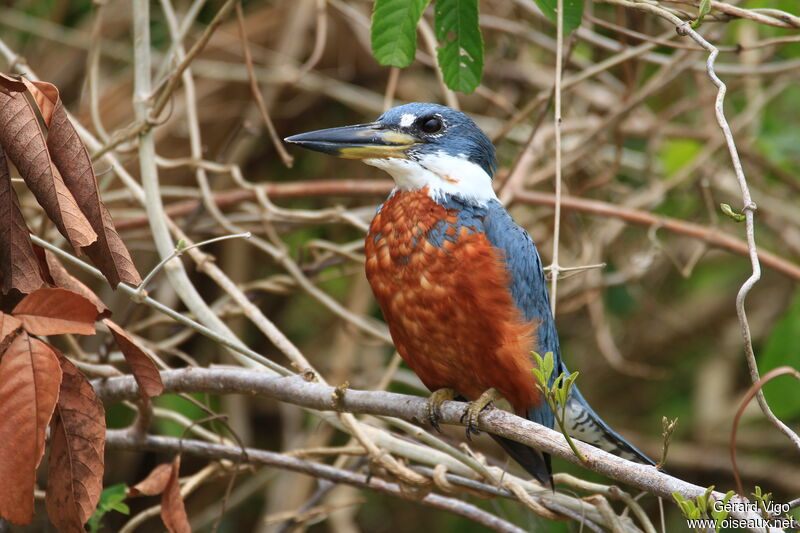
(437, 398)
(474, 409)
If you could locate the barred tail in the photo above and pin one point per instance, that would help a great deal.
(584, 424)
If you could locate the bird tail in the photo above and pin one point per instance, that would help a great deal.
(584, 424)
(534, 462)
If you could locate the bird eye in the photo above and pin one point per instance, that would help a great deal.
(431, 125)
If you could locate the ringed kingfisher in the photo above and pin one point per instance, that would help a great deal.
(460, 284)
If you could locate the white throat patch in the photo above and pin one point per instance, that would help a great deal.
(442, 173)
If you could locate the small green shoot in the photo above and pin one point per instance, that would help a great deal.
(557, 394)
(111, 499)
(666, 433)
(763, 499)
(728, 210)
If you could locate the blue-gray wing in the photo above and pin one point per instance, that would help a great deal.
(529, 292)
(528, 287)
(530, 295)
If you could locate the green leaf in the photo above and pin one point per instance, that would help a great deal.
(540, 379)
(394, 31)
(783, 348)
(120, 507)
(110, 500)
(687, 507)
(573, 12)
(549, 365)
(702, 11)
(720, 516)
(702, 501)
(461, 51)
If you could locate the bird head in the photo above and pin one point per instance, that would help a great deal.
(421, 146)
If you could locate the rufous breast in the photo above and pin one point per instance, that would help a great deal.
(444, 292)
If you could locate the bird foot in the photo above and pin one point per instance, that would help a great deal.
(435, 402)
(474, 409)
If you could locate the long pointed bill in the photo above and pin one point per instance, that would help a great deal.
(363, 141)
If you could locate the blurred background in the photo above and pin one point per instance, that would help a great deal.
(653, 331)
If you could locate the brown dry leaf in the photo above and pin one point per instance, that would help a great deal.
(11, 83)
(155, 482)
(23, 140)
(69, 154)
(54, 311)
(173, 512)
(8, 326)
(144, 369)
(62, 278)
(29, 383)
(78, 439)
(17, 260)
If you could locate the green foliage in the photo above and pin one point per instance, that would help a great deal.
(111, 499)
(394, 31)
(703, 507)
(555, 395)
(573, 12)
(783, 348)
(702, 11)
(763, 499)
(461, 53)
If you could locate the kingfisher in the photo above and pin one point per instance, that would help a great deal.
(460, 284)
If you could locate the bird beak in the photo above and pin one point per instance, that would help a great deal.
(362, 141)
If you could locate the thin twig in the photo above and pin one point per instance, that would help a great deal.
(180, 249)
(118, 440)
(287, 159)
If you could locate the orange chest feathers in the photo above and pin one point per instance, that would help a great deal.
(444, 292)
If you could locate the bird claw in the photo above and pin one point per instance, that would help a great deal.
(474, 409)
(435, 406)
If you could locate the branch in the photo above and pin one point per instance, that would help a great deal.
(123, 440)
(296, 390)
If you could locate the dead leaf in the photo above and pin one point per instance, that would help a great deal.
(23, 140)
(155, 482)
(69, 154)
(78, 438)
(45, 95)
(8, 326)
(173, 512)
(144, 369)
(61, 277)
(29, 383)
(17, 260)
(11, 83)
(54, 311)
